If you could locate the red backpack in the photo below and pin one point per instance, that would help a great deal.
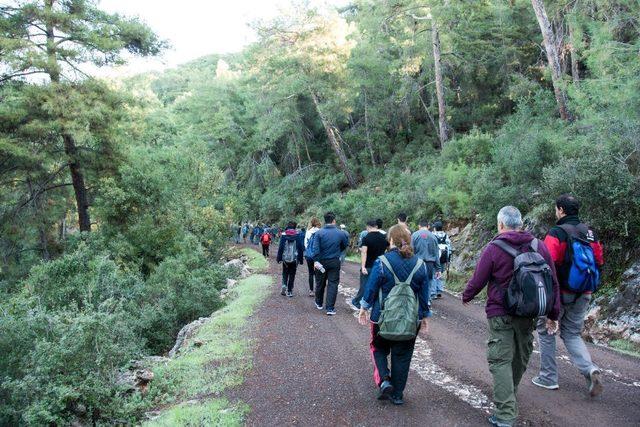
(266, 238)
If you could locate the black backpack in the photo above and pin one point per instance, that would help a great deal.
(530, 292)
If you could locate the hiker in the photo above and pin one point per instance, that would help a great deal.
(384, 289)
(373, 245)
(402, 220)
(245, 232)
(511, 324)
(265, 240)
(444, 247)
(314, 225)
(257, 234)
(343, 254)
(252, 233)
(290, 254)
(425, 246)
(326, 247)
(564, 240)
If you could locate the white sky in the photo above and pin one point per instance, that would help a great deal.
(197, 27)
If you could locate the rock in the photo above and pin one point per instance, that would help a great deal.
(198, 343)
(231, 283)
(186, 333)
(238, 266)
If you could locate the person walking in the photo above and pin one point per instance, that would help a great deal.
(444, 247)
(402, 220)
(314, 226)
(343, 254)
(265, 240)
(373, 245)
(425, 246)
(328, 243)
(245, 232)
(510, 337)
(290, 254)
(575, 305)
(384, 290)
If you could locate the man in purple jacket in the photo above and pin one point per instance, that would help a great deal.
(510, 338)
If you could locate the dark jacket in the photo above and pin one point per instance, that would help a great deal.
(556, 242)
(291, 235)
(495, 269)
(381, 278)
(328, 243)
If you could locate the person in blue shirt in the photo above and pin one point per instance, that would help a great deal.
(392, 381)
(328, 244)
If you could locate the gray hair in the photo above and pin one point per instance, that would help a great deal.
(510, 217)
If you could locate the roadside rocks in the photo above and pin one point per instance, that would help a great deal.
(185, 334)
(238, 267)
(139, 374)
(618, 316)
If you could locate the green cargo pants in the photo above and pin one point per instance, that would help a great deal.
(508, 350)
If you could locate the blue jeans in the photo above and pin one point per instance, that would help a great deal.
(363, 283)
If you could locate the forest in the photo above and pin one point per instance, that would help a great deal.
(117, 195)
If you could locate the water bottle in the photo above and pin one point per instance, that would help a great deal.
(319, 267)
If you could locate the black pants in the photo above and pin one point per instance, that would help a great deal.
(265, 250)
(312, 274)
(329, 280)
(288, 275)
(401, 353)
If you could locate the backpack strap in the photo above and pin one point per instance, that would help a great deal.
(535, 245)
(506, 247)
(417, 267)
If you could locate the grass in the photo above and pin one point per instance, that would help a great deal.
(256, 260)
(191, 386)
(353, 257)
(626, 347)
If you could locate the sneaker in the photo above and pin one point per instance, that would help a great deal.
(290, 294)
(283, 291)
(494, 421)
(385, 390)
(397, 400)
(312, 294)
(595, 383)
(540, 383)
(331, 312)
(356, 305)
(318, 306)
(439, 296)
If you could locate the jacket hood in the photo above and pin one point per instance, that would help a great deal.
(516, 238)
(290, 233)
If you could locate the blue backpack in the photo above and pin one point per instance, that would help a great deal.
(584, 274)
(308, 253)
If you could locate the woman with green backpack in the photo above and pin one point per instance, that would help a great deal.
(398, 295)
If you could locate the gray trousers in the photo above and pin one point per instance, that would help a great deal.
(572, 313)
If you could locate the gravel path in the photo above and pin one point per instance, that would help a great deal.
(313, 369)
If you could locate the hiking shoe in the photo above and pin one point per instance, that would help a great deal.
(494, 421)
(541, 383)
(595, 383)
(312, 294)
(290, 294)
(331, 312)
(385, 390)
(397, 400)
(283, 291)
(318, 306)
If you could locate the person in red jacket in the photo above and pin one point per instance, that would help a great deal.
(265, 240)
(574, 305)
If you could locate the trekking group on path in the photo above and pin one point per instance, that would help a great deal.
(531, 284)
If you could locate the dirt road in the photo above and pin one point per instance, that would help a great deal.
(313, 369)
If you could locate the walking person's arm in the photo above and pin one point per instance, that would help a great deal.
(363, 260)
(480, 278)
(371, 291)
(280, 251)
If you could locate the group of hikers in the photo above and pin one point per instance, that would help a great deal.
(531, 284)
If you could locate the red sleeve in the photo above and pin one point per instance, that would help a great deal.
(544, 251)
(598, 253)
(556, 248)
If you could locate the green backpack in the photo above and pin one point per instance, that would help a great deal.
(399, 313)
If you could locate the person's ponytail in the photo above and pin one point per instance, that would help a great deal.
(401, 239)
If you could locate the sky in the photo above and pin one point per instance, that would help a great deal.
(195, 28)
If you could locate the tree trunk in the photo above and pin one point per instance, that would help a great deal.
(70, 149)
(553, 58)
(368, 135)
(575, 72)
(333, 135)
(437, 65)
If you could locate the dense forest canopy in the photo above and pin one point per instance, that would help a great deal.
(117, 195)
